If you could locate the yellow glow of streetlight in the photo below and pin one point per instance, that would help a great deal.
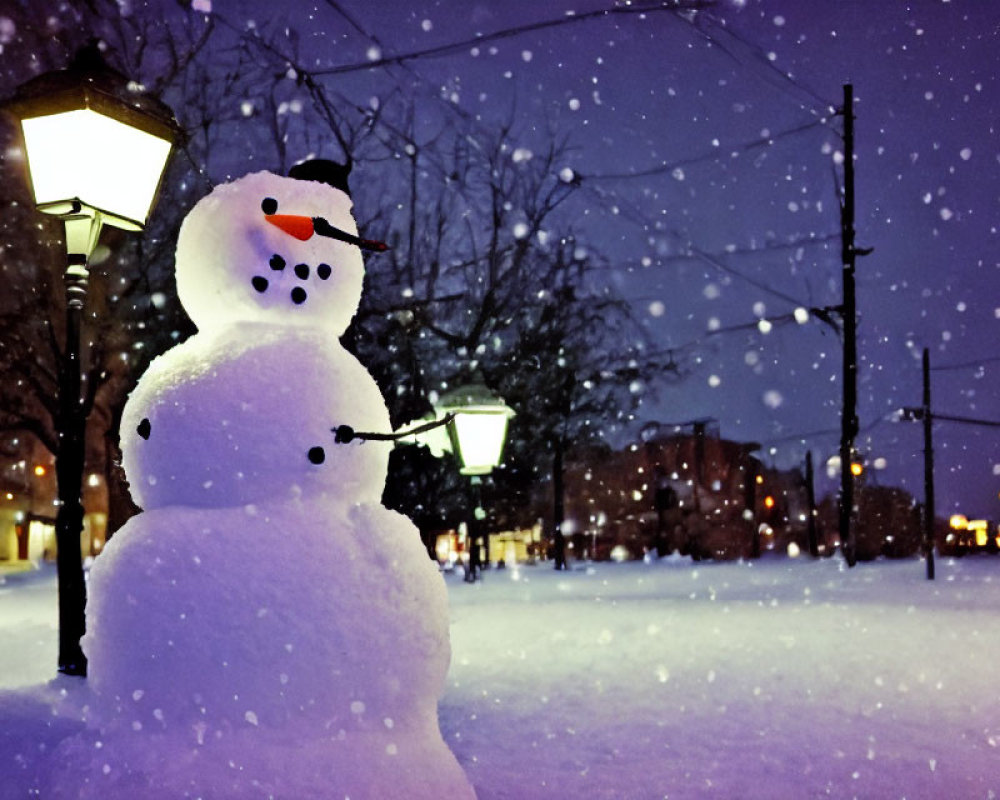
(87, 156)
(478, 430)
(480, 433)
(96, 146)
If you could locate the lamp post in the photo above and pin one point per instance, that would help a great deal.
(96, 150)
(478, 432)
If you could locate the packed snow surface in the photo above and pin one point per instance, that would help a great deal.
(773, 679)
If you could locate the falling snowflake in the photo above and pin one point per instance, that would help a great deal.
(773, 398)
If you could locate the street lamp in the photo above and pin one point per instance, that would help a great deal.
(476, 422)
(478, 432)
(96, 148)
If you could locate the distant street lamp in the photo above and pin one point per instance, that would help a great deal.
(478, 432)
(96, 149)
(476, 423)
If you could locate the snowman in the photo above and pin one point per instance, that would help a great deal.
(265, 627)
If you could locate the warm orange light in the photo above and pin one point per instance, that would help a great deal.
(40, 470)
(769, 502)
(760, 479)
(959, 522)
(856, 469)
(982, 530)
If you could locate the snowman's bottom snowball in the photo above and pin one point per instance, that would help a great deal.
(290, 651)
(316, 612)
(260, 765)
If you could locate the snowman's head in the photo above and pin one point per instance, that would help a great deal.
(270, 249)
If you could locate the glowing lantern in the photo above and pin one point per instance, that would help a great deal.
(479, 429)
(95, 145)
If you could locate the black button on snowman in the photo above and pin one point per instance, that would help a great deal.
(265, 614)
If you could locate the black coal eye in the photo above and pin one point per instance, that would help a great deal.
(277, 263)
(144, 428)
(323, 270)
(302, 271)
(259, 283)
(298, 295)
(317, 455)
(269, 205)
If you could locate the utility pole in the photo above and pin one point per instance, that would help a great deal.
(925, 415)
(751, 471)
(849, 409)
(928, 470)
(811, 501)
(699, 460)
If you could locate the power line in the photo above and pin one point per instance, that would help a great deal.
(636, 215)
(640, 8)
(910, 413)
(824, 315)
(723, 267)
(450, 48)
(778, 78)
(829, 431)
(966, 364)
(713, 155)
(693, 252)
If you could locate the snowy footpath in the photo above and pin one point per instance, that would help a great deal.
(776, 679)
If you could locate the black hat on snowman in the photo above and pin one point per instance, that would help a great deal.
(323, 170)
(331, 173)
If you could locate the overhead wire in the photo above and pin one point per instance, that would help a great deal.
(450, 48)
(712, 30)
(641, 8)
(784, 81)
(716, 154)
(965, 364)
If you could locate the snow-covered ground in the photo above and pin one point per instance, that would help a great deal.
(775, 679)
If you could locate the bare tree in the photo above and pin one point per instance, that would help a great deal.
(486, 272)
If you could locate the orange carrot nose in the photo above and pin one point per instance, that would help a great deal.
(293, 225)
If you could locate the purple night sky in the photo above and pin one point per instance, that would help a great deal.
(678, 109)
(708, 156)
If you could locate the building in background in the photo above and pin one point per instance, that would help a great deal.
(28, 505)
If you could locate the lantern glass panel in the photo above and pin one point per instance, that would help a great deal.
(480, 437)
(102, 162)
